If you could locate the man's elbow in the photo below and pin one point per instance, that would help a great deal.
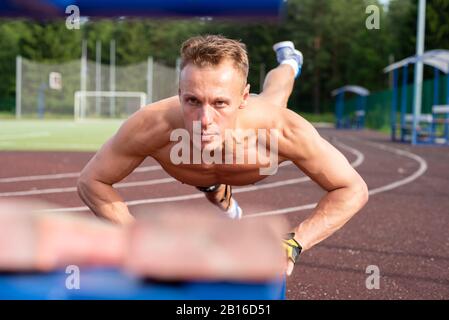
(86, 191)
(82, 186)
(362, 193)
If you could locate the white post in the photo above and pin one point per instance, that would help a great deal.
(77, 106)
(83, 84)
(18, 87)
(143, 99)
(98, 77)
(420, 36)
(262, 75)
(112, 78)
(150, 80)
(178, 70)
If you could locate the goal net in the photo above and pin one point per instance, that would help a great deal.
(107, 104)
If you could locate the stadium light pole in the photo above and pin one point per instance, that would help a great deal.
(420, 36)
(83, 77)
(150, 68)
(19, 87)
(112, 77)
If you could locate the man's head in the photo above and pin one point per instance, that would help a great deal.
(212, 85)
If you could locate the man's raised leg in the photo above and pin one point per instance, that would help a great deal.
(278, 84)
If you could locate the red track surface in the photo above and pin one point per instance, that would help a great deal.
(403, 231)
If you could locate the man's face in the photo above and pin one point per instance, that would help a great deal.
(212, 96)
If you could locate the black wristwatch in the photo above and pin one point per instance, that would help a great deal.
(209, 189)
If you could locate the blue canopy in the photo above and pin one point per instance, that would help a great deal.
(354, 89)
(438, 59)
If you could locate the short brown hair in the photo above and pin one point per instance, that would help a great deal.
(211, 50)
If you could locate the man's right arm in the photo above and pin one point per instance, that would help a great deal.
(95, 184)
(117, 158)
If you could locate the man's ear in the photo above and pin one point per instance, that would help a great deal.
(245, 96)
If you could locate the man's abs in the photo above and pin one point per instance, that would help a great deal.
(201, 175)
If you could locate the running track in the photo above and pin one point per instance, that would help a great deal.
(403, 230)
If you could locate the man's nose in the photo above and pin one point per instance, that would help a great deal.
(206, 116)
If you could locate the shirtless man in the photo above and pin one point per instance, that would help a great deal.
(214, 93)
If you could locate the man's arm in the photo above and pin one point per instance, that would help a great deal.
(346, 194)
(114, 161)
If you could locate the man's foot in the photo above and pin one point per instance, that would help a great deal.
(287, 54)
(221, 196)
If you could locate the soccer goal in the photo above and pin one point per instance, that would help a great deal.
(107, 104)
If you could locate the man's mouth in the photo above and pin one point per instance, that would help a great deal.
(205, 137)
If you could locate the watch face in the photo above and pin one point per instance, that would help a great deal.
(296, 252)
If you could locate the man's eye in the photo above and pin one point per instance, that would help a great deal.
(192, 101)
(220, 103)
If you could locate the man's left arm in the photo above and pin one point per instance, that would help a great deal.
(346, 194)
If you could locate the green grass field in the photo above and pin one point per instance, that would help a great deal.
(322, 117)
(68, 135)
(52, 135)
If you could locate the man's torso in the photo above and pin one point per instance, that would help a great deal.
(255, 116)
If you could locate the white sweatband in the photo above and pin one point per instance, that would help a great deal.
(292, 63)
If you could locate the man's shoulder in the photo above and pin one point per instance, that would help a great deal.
(149, 128)
(292, 120)
(260, 114)
(296, 136)
(166, 112)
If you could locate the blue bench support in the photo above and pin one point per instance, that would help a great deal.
(394, 106)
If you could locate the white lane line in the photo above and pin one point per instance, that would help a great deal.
(74, 189)
(140, 169)
(359, 159)
(55, 176)
(421, 170)
(40, 177)
(118, 185)
(283, 211)
(50, 145)
(19, 136)
(76, 174)
(357, 162)
(65, 175)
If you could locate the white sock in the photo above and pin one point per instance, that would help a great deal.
(234, 211)
(292, 63)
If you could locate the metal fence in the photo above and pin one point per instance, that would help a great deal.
(35, 97)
